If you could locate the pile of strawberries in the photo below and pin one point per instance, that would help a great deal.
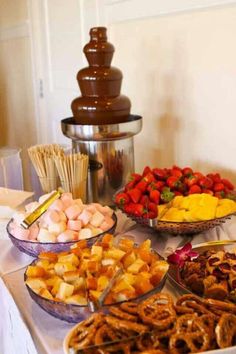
(144, 192)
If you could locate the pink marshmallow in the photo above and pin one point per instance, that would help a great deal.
(107, 223)
(52, 216)
(85, 217)
(67, 200)
(33, 232)
(67, 235)
(91, 208)
(74, 225)
(73, 212)
(57, 205)
(20, 233)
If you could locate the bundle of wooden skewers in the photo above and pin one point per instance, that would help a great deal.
(55, 168)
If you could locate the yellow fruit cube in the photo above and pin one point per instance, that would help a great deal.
(95, 294)
(103, 281)
(45, 293)
(174, 214)
(43, 263)
(56, 286)
(115, 253)
(122, 285)
(61, 268)
(65, 290)
(145, 245)
(36, 284)
(69, 258)
(97, 251)
(76, 300)
(128, 259)
(136, 266)
(78, 283)
(35, 271)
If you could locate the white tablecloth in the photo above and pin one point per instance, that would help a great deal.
(21, 316)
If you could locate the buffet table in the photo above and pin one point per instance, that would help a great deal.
(26, 328)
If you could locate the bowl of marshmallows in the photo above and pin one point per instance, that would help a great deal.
(66, 221)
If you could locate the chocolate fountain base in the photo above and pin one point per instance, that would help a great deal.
(110, 148)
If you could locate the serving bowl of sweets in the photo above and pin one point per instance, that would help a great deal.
(66, 221)
(160, 324)
(177, 201)
(64, 284)
(207, 270)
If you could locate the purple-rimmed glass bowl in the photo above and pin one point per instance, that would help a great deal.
(75, 313)
(34, 248)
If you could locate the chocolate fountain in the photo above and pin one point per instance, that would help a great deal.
(102, 126)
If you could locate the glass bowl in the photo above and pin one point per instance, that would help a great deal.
(75, 313)
(34, 248)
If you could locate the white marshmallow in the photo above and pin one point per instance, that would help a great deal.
(85, 233)
(91, 208)
(52, 216)
(73, 212)
(97, 219)
(33, 232)
(67, 236)
(45, 236)
(57, 205)
(62, 215)
(74, 225)
(57, 228)
(85, 217)
(67, 200)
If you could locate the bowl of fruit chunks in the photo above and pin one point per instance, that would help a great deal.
(177, 200)
(113, 270)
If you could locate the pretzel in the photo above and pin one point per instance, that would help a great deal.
(221, 305)
(86, 331)
(118, 324)
(104, 334)
(195, 342)
(122, 314)
(226, 330)
(158, 311)
(130, 307)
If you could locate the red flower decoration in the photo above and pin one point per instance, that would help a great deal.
(180, 256)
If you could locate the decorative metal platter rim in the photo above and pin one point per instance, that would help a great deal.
(173, 271)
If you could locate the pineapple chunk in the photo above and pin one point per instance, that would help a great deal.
(103, 281)
(76, 300)
(136, 266)
(56, 286)
(65, 290)
(43, 263)
(35, 271)
(71, 276)
(52, 281)
(108, 261)
(45, 293)
(95, 294)
(97, 251)
(126, 244)
(115, 253)
(121, 286)
(79, 283)
(129, 278)
(61, 268)
(177, 201)
(69, 258)
(128, 259)
(145, 245)
(36, 284)
(174, 214)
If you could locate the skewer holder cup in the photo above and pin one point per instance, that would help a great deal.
(110, 148)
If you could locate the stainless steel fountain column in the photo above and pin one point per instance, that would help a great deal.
(111, 154)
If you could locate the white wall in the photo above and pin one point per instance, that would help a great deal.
(180, 74)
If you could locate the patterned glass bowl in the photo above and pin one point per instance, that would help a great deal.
(34, 248)
(75, 313)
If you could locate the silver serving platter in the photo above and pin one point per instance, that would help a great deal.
(174, 273)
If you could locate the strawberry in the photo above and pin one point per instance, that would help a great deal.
(173, 182)
(129, 185)
(146, 170)
(155, 196)
(177, 193)
(137, 209)
(135, 194)
(144, 201)
(187, 171)
(142, 185)
(176, 172)
(152, 207)
(149, 177)
(121, 199)
(155, 185)
(205, 183)
(135, 177)
(215, 177)
(160, 174)
(220, 194)
(195, 189)
(208, 191)
(152, 214)
(191, 180)
(198, 175)
(218, 187)
(174, 167)
(227, 184)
